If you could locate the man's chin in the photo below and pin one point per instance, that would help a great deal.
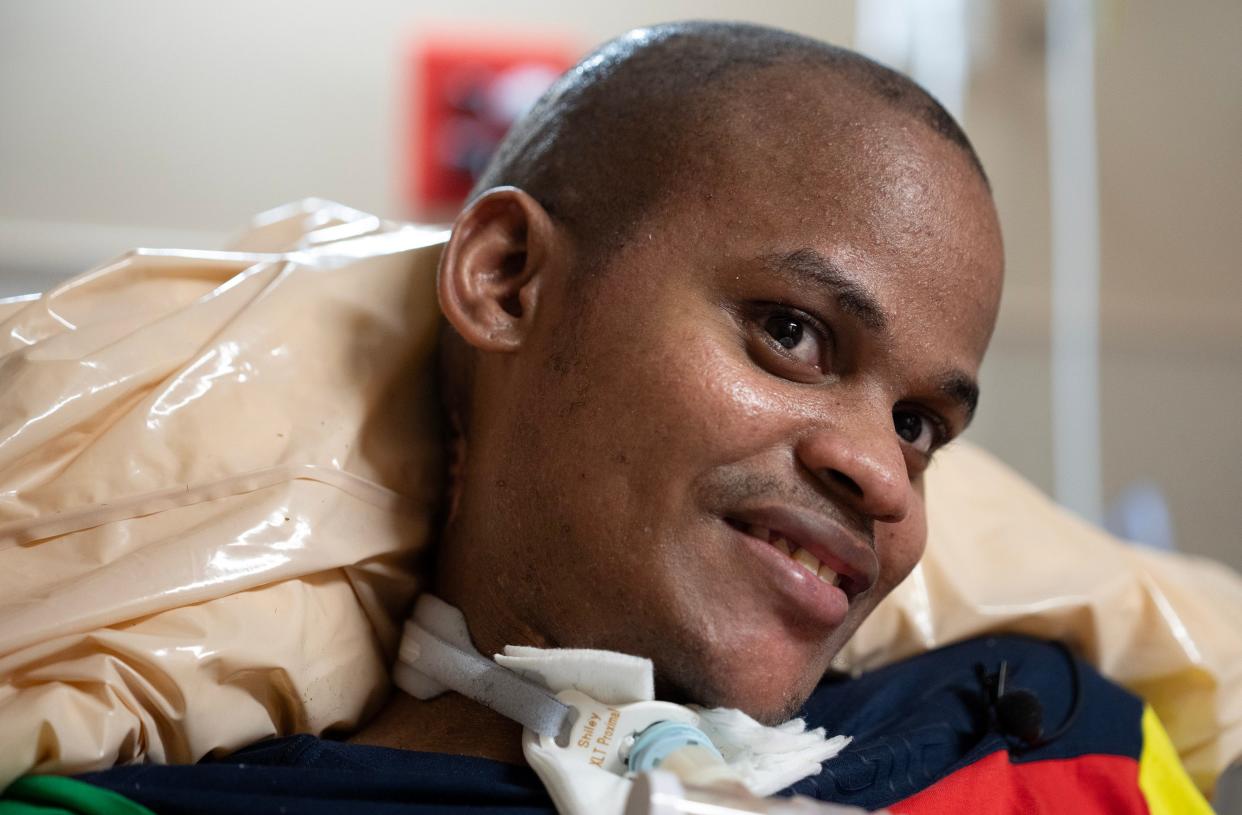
(773, 705)
(770, 689)
(772, 680)
(773, 714)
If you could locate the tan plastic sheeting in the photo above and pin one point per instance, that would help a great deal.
(217, 470)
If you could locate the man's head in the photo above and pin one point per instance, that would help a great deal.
(743, 291)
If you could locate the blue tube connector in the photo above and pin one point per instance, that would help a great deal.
(658, 741)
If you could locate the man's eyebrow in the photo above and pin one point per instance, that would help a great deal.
(961, 388)
(816, 269)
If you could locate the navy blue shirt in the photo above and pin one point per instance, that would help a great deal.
(913, 723)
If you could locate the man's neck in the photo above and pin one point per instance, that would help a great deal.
(450, 723)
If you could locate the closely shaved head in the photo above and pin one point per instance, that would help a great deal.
(635, 120)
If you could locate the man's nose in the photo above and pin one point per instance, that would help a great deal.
(861, 462)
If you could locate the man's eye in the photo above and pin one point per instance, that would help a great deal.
(799, 340)
(785, 330)
(915, 429)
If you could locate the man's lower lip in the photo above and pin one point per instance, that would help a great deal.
(814, 600)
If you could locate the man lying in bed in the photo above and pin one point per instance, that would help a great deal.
(716, 303)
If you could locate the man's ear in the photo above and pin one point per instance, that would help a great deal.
(492, 269)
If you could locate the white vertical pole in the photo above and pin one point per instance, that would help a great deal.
(1075, 256)
(928, 39)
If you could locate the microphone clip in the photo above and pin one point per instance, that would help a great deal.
(1014, 712)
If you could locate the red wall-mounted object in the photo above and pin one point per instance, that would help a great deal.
(465, 93)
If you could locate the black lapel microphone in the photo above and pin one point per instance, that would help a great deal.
(1016, 713)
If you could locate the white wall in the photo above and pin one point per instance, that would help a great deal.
(141, 115)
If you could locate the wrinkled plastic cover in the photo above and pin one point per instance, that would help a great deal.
(218, 471)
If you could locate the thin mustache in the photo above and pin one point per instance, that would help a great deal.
(753, 490)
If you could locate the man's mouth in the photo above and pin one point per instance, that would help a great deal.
(814, 542)
(796, 553)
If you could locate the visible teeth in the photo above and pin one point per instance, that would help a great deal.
(802, 556)
(808, 561)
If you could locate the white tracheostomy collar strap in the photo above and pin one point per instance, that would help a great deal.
(436, 655)
(582, 708)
